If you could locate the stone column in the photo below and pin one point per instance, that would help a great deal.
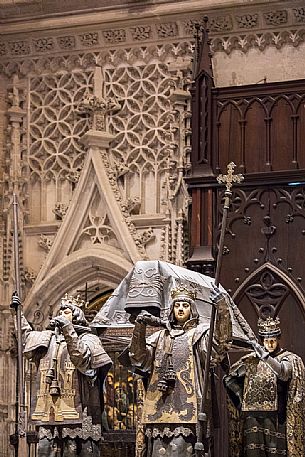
(13, 134)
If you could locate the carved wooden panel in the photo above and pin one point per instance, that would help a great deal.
(260, 128)
(263, 265)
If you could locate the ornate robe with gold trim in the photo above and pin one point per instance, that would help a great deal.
(170, 419)
(255, 392)
(81, 365)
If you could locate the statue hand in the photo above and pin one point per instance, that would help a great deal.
(259, 350)
(143, 318)
(15, 301)
(59, 321)
(216, 296)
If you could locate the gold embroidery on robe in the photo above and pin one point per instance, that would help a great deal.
(56, 408)
(260, 389)
(179, 404)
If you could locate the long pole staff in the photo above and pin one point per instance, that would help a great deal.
(22, 445)
(201, 446)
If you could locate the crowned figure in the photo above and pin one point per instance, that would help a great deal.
(172, 362)
(71, 366)
(266, 391)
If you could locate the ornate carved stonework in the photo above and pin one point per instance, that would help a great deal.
(60, 210)
(299, 15)
(45, 243)
(247, 21)
(29, 277)
(227, 28)
(100, 208)
(221, 23)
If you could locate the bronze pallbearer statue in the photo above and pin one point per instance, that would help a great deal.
(267, 399)
(72, 364)
(173, 360)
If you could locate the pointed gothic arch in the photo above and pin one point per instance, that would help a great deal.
(106, 265)
(274, 270)
(269, 285)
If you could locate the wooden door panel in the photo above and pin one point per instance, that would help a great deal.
(265, 245)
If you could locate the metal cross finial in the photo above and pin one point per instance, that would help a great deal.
(230, 177)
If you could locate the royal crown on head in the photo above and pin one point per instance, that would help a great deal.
(269, 327)
(183, 294)
(76, 301)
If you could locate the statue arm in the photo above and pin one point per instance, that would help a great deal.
(281, 368)
(140, 353)
(223, 329)
(26, 329)
(78, 350)
(35, 342)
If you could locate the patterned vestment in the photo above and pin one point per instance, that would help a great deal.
(261, 432)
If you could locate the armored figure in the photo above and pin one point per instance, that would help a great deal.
(266, 391)
(172, 363)
(66, 401)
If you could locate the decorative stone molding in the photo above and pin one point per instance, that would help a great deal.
(89, 39)
(114, 36)
(118, 197)
(141, 32)
(146, 236)
(66, 42)
(221, 23)
(98, 229)
(224, 25)
(73, 176)
(247, 21)
(299, 15)
(97, 108)
(277, 17)
(29, 276)
(43, 45)
(167, 30)
(7, 256)
(132, 205)
(261, 41)
(2, 49)
(45, 242)
(107, 59)
(60, 210)
(19, 48)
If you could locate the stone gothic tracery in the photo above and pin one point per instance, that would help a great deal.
(45, 77)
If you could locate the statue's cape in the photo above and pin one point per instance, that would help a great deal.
(148, 287)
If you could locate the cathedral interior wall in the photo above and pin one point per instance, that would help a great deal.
(48, 62)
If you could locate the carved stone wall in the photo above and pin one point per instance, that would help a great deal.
(75, 199)
(87, 212)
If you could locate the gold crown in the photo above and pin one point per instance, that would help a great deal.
(76, 301)
(183, 294)
(269, 327)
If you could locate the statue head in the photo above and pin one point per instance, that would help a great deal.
(183, 306)
(270, 332)
(70, 307)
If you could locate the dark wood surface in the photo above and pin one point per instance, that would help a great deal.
(261, 129)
